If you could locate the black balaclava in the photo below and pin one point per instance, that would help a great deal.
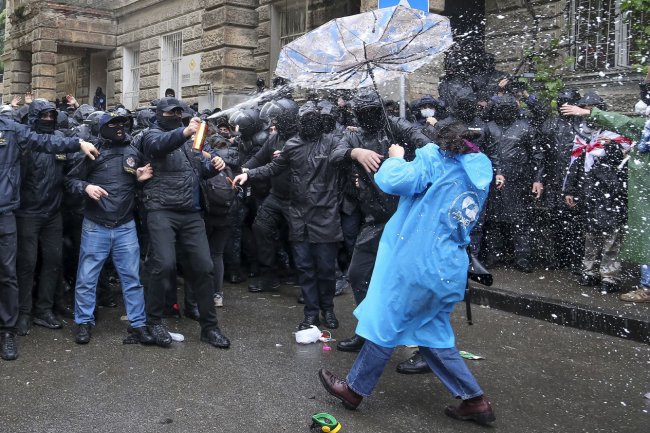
(505, 111)
(310, 124)
(466, 109)
(45, 126)
(113, 134)
(329, 123)
(167, 123)
(371, 118)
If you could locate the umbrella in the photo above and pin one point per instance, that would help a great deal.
(360, 50)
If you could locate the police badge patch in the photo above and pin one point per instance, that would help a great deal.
(130, 165)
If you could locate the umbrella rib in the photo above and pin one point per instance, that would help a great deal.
(340, 25)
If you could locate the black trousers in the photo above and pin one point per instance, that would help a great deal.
(46, 233)
(8, 280)
(168, 229)
(271, 215)
(363, 259)
(316, 265)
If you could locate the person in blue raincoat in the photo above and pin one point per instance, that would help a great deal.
(421, 270)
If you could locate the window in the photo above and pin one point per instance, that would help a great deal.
(600, 35)
(170, 62)
(131, 84)
(293, 22)
(288, 22)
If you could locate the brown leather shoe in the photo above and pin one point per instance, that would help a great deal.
(477, 409)
(339, 389)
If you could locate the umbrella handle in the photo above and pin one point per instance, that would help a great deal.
(383, 109)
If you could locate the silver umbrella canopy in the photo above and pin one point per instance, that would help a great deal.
(361, 50)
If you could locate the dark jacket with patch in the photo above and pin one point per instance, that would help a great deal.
(42, 174)
(15, 139)
(176, 183)
(114, 171)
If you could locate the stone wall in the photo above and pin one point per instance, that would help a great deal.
(144, 28)
(320, 12)
(509, 31)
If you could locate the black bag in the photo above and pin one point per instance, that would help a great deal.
(220, 193)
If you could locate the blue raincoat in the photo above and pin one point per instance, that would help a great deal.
(421, 266)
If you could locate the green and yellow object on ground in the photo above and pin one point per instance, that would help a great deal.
(324, 422)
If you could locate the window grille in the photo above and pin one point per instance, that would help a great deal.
(600, 35)
(172, 52)
(293, 21)
(131, 78)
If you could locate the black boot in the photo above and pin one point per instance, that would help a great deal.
(265, 284)
(414, 365)
(352, 344)
(143, 335)
(8, 349)
(24, 324)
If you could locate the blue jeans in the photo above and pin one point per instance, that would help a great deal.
(97, 243)
(645, 276)
(447, 364)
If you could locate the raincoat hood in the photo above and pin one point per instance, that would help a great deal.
(38, 107)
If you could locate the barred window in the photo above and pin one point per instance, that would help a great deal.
(293, 21)
(600, 35)
(170, 62)
(131, 77)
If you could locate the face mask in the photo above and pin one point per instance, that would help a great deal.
(371, 119)
(505, 115)
(311, 127)
(329, 123)
(428, 112)
(114, 134)
(45, 126)
(168, 123)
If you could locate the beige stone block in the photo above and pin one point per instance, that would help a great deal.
(150, 81)
(228, 57)
(264, 29)
(191, 47)
(229, 16)
(43, 57)
(262, 63)
(211, 4)
(263, 46)
(213, 38)
(44, 45)
(264, 13)
(49, 94)
(21, 65)
(44, 82)
(150, 56)
(43, 71)
(21, 77)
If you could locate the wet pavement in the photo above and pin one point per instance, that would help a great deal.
(540, 377)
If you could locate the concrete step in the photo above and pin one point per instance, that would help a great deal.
(555, 297)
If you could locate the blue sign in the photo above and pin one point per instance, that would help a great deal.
(422, 5)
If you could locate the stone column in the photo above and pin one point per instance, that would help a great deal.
(229, 38)
(18, 77)
(44, 69)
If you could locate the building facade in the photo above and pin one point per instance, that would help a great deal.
(213, 51)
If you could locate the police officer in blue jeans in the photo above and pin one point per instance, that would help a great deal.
(109, 184)
(15, 139)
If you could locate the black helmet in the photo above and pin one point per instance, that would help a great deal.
(369, 110)
(366, 98)
(327, 108)
(248, 121)
(592, 99)
(284, 112)
(93, 122)
(568, 96)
